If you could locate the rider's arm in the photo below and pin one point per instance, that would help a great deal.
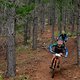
(51, 47)
(66, 37)
(60, 36)
(65, 50)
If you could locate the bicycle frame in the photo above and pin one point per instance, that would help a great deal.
(57, 56)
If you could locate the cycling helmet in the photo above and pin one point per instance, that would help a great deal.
(63, 32)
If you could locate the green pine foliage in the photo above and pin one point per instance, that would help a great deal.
(20, 10)
(24, 10)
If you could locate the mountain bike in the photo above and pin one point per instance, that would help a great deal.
(56, 63)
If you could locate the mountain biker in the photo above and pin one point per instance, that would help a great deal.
(54, 48)
(63, 36)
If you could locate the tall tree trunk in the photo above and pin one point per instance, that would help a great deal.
(35, 26)
(35, 29)
(60, 18)
(52, 2)
(42, 17)
(1, 18)
(27, 30)
(49, 13)
(72, 21)
(73, 15)
(11, 61)
(64, 19)
(4, 18)
(78, 33)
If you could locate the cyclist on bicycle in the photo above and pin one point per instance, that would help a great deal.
(63, 36)
(54, 48)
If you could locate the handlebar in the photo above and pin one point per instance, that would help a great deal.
(58, 54)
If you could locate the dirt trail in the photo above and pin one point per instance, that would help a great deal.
(69, 71)
(36, 65)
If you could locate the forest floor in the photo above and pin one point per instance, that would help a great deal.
(34, 65)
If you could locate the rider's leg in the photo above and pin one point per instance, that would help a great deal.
(52, 61)
(59, 61)
(55, 61)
